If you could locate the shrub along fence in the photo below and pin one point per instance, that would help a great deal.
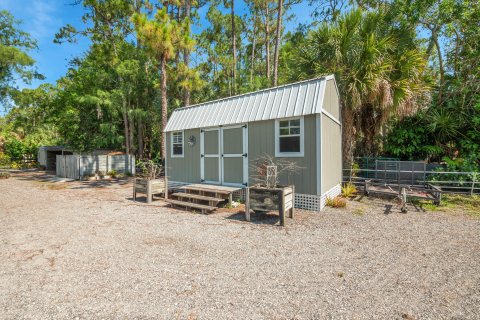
(416, 174)
(76, 166)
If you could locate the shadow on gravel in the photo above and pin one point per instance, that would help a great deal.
(256, 218)
(100, 183)
(40, 176)
(388, 209)
(49, 176)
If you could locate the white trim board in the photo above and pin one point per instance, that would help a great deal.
(318, 155)
(183, 144)
(328, 114)
(300, 154)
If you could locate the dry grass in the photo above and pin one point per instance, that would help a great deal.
(455, 204)
(337, 202)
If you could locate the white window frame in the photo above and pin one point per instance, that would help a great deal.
(171, 144)
(279, 154)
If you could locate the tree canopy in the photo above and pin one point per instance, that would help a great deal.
(408, 71)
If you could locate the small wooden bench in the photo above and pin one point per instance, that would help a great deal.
(190, 205)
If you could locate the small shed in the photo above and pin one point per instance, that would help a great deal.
(47, 156)
(218, 142)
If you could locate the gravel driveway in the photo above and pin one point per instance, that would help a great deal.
(78, 250)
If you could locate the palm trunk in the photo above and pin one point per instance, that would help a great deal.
(163, 89)
(277, 42)
(234, 48)
(348, 136)
(186, 56)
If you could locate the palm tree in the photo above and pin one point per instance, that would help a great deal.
(379, 76)
(163, 37)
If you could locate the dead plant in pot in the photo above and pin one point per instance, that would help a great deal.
(267, 194)
(151, 180)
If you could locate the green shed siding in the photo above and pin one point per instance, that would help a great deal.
(186, 169)
(331, 100)
(232, 169)
(331, 135)
(261, 141)
(211, 141)
(211, 169)
(233, 141)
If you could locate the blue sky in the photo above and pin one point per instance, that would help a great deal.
(43, 18)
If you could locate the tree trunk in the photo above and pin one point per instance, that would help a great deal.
(125, 126)
(267, 39)
(440, 66)
(234, 49)
(348, 136)
(131, 123)
(277, 42)
(163, 89)
(186, 56)
(252, 63)
(140, 137)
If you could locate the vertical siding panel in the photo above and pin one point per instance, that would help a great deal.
(261, 141)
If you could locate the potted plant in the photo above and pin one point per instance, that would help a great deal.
(150, 181)
(267, 194)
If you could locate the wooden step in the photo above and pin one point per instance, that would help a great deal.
(197, 197)
(209, 190)
(190, 205)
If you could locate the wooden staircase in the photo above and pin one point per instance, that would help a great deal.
(202, 197)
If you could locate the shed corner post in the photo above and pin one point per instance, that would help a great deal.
(247, 203)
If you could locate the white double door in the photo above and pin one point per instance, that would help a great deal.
(223, 155)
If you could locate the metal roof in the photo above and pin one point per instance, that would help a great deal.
(296, 99)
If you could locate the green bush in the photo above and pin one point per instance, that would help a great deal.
(4, 160)
(112, 173)
(4, 175)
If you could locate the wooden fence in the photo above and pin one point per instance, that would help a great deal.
(75, 166)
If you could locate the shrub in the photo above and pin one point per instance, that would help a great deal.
(349, 190)
(112, 173)
(337, 202)
(4, 175)
(4, 160)
(101, 174)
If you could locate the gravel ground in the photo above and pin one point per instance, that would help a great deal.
(82, 250)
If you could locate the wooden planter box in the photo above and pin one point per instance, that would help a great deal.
(281, 199)
(150, 187)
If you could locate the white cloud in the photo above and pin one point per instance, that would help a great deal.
(42, 22)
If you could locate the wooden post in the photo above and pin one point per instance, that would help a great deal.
(166, 188)
(134, 191)
(292, 210)
(403, 193)
(282, 208)
(149, 191)
(472, 191)
(230, 199)
(247, 204)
